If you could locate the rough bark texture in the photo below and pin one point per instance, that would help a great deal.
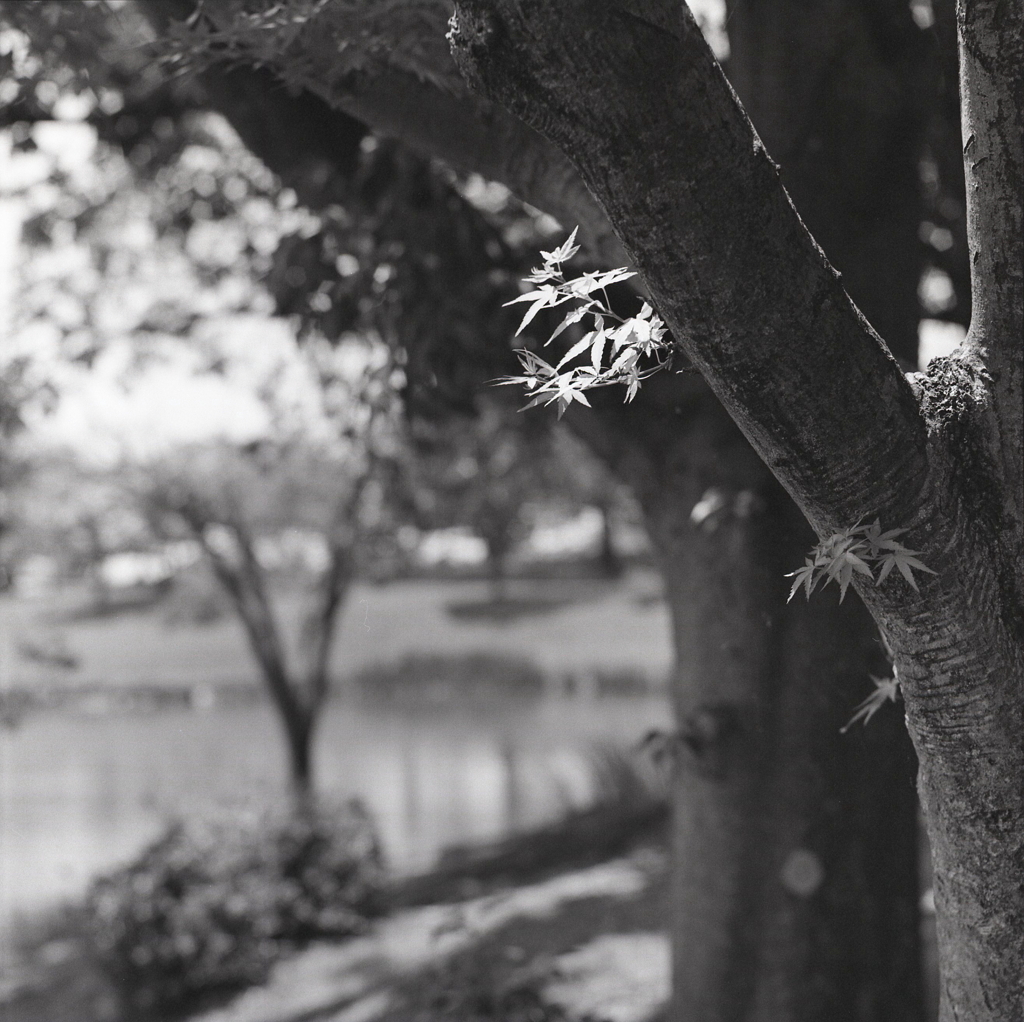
(965, 665)
(763, 315)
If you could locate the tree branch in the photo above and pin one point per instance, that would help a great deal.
(631, 93)
(246, 592)
(419, 100)
(474, 136)
(992, 111)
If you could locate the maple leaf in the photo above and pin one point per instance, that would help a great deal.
(622, 342)
(546, 296)
(572, 317)
(577, 349)
(614, 276)
(807, 576)
(540, 275)
(905, 561)
(565, 394)
(878, 541)
(632, 381)
(625, 362)
(563, 253)
(886, 690)
(842, 567)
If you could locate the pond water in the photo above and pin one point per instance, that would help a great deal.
(81, 793)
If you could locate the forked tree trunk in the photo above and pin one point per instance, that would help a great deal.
(795, 881)
(298, 698)
(765, 318)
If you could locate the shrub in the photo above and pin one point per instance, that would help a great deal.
(208, 909)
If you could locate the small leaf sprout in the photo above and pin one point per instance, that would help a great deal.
(857, 550)
(611, 351)
(886, 690)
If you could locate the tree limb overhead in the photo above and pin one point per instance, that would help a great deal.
(632, 94)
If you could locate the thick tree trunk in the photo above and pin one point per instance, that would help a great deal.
(961, 648)
(795, 884)
(796, 887)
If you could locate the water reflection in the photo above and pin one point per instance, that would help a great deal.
(80, 793)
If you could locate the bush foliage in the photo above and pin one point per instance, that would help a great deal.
(205, 910)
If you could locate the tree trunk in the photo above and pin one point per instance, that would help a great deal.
(499, 545)
(297, 707)
(795, 881)
(796, 892)
(299, 728)
(794, 845)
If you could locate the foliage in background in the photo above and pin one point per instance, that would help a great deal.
(482, 988)
(399, 35)
(207, 910)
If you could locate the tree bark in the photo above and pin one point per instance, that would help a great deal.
(497, 573)
(729, 264)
